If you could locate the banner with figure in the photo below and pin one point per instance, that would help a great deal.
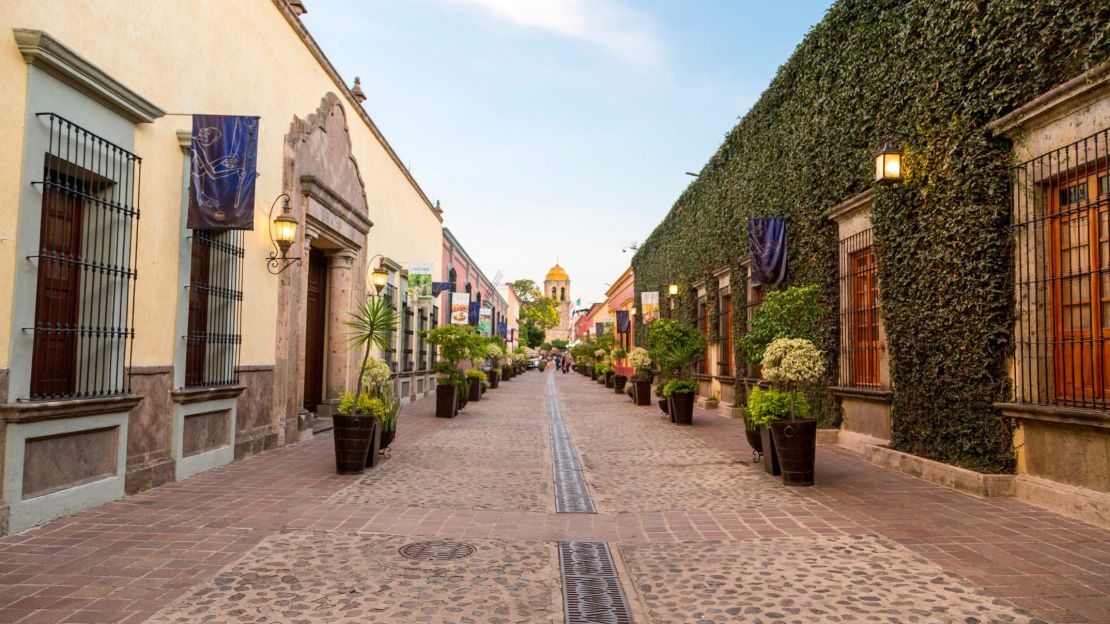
(649, 306)
(623, 322)
(460, 308)
(224, 167)
(485, 321)
(767, 249)
(420, 279)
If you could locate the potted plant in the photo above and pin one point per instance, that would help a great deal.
(474, 378)
(543, 365)
(376, 379)
(640, 360)
(751, 431)
(767, 407)
(453, 344)
(793, 362)
(494, 353)
(677, 347)
(357, 434)
(619, 380)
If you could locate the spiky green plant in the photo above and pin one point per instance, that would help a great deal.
(372, 323)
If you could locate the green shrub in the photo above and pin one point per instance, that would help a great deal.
(367, 405)
(766, 406)
(790, 313)
(679, 386)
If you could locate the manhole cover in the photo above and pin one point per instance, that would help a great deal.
(438, 550)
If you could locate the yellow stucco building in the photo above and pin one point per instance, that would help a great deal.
(142, 351)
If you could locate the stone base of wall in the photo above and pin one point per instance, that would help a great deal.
(253, 445)
(146, 476)
(1077, 502)
(962, 479)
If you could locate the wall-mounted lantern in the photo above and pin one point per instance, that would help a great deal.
(282, 235)
(888, 164)
(379, 276)
(672, 290)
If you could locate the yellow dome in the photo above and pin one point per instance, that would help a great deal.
(557, 274)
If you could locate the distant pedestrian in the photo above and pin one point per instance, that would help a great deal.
(566, 365)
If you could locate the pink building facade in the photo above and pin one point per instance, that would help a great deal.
(465, 276)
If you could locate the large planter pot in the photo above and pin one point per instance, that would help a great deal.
(618, 383)
(682, 408)
(593, 374)
(643, 392)
(608, 379)
(796, 446)
(770, 457)
(475, 389)
(664, 404)
(754, 440)
(494, 379)
(446, 401)
(461, 399)
(353, 435)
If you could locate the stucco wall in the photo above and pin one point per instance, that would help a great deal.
(203, 56)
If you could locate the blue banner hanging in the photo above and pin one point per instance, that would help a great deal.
(600, 329)
(224, 168)
(440, 287)
(767, 249)
(475, 310)
(623, 323)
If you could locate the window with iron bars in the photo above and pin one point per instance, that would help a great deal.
(433, 354)
(1061, 242)
(860, 341)
(212, 344)
(703, 327)
(406, 331)
(421, 347)
(85, 293)
(390, 294)
(724, 331)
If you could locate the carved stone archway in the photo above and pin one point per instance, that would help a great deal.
(322, 176)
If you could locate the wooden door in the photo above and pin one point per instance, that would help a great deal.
(1079, 236)
(865, 319)
(315, 324)
(54, 359)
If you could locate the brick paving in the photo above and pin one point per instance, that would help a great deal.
(704, 535)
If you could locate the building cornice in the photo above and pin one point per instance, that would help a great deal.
(43, 51)
(302, 32)
(851, 206)
(1055, 103)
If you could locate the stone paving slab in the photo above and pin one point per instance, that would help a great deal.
(316, 576)
(805, 581)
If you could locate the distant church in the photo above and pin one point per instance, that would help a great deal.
(557, 286)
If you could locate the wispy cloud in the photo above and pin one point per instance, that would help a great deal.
(621, 30)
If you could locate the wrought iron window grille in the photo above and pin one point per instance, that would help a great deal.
(1060, 204)
(861, 346)
(83, 334)
(213, 339)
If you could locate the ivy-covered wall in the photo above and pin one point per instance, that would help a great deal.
(932, 73)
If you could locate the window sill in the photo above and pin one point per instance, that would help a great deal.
(1056, 415)
(70, 408)
(186, 396)
(878, 395)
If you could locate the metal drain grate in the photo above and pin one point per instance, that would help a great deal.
(572, 495)
(437, 550)
(591, 588)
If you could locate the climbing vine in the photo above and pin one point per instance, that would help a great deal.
(932, 73)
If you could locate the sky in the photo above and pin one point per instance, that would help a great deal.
(557, 130)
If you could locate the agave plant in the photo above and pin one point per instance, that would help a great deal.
(372, 323)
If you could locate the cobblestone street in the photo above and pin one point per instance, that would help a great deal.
(697, 533)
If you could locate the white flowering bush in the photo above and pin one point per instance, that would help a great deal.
(494, 351)
(639, 359)
(601, 353)
(377, 372)
(793, 359)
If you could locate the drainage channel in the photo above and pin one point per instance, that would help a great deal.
(592, 590)
(571, 493)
